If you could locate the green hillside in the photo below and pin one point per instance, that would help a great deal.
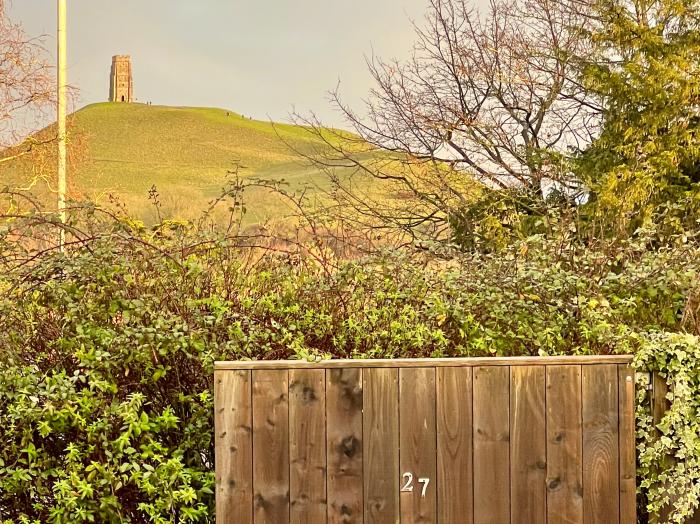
(185, 152)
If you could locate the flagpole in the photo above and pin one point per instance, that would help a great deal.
(61, 117)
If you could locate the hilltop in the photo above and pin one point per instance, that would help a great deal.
(186, 152)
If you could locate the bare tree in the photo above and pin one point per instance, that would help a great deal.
(488, 100)
(28, 152)
(26, 87)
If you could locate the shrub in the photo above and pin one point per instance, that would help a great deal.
(107, 351)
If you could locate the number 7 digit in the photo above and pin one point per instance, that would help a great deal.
(425, 481)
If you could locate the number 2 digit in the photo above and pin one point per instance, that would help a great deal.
(408, 479)
(408, 483)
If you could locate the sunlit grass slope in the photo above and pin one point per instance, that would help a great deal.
(123, 150)
(186, 153)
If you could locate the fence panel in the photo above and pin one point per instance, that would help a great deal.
(446, 441)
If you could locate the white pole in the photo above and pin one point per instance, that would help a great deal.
(61, 107)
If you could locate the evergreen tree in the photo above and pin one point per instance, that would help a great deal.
(644, 166)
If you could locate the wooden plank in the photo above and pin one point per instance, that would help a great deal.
(381, 445)
(659, 399)
(491, 445)
(627, 445)
(271, 446)
(344, 445)
(528, 445)
(454, 445)
(417, 437)
(426, 362)
(564, 445)
(307, 446)
(234, 447)
(659, 406)
(600, 444)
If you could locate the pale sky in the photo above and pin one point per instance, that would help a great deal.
(261, 58)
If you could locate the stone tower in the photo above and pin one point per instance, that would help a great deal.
(121, 85)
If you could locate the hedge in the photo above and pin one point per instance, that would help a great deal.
(106, 372)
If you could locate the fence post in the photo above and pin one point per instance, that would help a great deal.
(659, 407)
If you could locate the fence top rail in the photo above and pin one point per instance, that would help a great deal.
(424, 362)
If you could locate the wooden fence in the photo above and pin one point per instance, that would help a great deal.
(449, 441)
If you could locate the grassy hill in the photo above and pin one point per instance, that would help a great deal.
(185, 152)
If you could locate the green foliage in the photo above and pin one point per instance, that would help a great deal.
(102, 420)
(498, 218)
(107, 350)
(495, 220)
(669, 453)
(644, 166)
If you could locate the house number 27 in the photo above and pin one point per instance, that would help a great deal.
(407, 483)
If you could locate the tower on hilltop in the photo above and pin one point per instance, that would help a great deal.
(121, 85)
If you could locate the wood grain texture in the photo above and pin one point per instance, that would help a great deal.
(528, 445)
(564, 445)
(500, 444)
(454, 445)
(659, 406)
(271, 446)
(659, 401)
(601, 484)
(491, 445)
(344, 445)
(627, 445)
(234, 447)
(307, 446)
(381, 445)
(426, 362)
(417, 437)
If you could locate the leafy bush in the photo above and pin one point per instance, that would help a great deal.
(107, 350)
(104, 398)
(669, 452)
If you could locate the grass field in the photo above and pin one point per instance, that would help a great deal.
(185, 152)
